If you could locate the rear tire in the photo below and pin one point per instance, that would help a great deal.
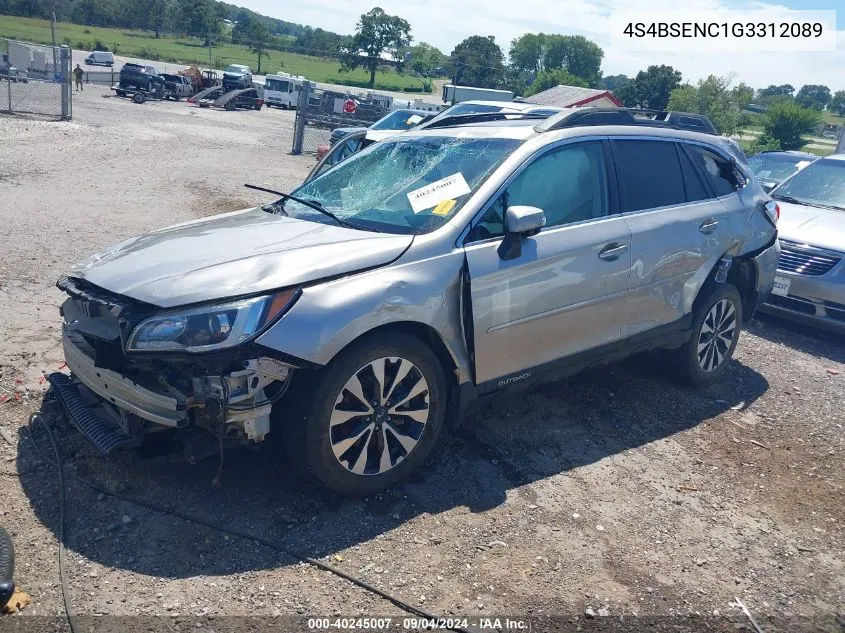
(353, 447)
(139, 97)
(717, 322)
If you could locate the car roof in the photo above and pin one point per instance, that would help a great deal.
(790, 153)
(517, 106)
(835, 157)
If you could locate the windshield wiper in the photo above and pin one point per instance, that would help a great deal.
(313, 204)
(789, 199)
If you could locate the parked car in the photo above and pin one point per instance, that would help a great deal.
(237, 76)
(14, 75)
(248, 99)
(136, 76)
(177, 86)
(480, 107)
(369, 308)
(810, 282)
(402, 119)
(100, 58)
(772, 168)
(346, 147)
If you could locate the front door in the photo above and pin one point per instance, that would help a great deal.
(565, 293)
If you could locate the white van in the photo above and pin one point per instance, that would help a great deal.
(100, 58)
(282, 90)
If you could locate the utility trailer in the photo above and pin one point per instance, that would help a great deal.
(140, 95)
(247, 98)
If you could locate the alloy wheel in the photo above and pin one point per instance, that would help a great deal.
(716, 335)
(379, 416)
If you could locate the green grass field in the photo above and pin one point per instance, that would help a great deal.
(834, 119)
(187, 50)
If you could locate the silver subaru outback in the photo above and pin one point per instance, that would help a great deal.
(360, 316)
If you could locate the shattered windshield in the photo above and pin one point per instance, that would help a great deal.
(405, 185)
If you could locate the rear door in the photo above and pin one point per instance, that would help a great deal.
(565, 293)
(681, 224)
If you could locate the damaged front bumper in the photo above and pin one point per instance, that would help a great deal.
(117, 399)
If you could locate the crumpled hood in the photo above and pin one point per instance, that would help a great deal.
(824, 228)
(234, 254)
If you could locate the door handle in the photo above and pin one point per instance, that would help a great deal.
(708, 226)
(612, 251)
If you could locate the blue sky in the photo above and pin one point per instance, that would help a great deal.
(444, 23)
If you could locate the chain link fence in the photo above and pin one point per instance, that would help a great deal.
(321, 111)
(34, 79)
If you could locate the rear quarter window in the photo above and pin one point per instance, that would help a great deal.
(720, 173)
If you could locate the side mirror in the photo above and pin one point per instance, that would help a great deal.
(525, 221)
(520, 222)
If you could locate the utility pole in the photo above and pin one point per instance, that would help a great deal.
(55, 43)
(210, 63)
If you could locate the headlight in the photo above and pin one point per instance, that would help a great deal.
(209, 328)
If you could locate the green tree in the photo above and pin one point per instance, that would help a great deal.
(576, 54)
(837, 103)
(376, 33)
(478, 61)
(774, 91)
(425, 59)
(200, 18)
(550, 78)
(713, 98)
(650, 88)
(743, 95)
(527, 52)
(787, 123)
(813, 96)
(613, 82)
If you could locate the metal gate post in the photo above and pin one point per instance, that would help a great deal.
(299, 123)
(65, 76)
(9, 83)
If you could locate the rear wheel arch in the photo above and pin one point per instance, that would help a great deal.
(742, 276)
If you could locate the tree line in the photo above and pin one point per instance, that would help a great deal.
(534, 62)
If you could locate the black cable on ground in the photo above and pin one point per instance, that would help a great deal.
(59, 465)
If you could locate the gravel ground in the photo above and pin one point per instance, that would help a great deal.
(615, 492)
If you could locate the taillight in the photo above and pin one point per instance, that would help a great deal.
(772, 210)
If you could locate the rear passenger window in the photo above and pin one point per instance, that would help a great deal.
(692, 183)
(720, 173)
(649, 174)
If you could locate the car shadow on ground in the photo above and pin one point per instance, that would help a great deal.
(548, 429)
(805, 338)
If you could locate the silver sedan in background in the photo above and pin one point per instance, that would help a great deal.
(810, 283)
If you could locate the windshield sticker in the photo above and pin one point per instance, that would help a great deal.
(444, 207)
(431, 195)
(802, 164)
(413, 119)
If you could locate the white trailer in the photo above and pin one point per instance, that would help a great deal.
(457, 94)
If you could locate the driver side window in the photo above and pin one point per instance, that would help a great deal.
(569, 184)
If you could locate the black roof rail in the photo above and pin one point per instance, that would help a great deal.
(588, 115)
(479, 117)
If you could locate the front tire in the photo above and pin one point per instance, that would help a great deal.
(717, 321)
(371, 417)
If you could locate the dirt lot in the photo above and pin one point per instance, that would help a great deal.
(616, 492)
